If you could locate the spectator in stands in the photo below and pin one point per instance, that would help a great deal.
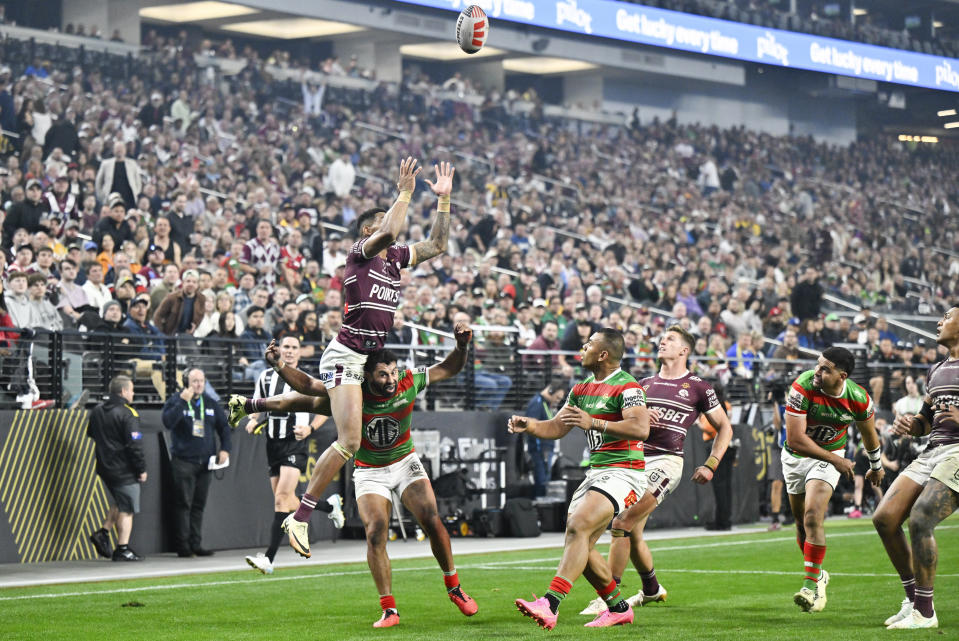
(119, 175)
(491, 377)
(97, 293)
(199, 431)
(806, 298)
(43, 314)
(261, 255)
(26, 214)
(171, 276)
(254, 346)
(17, 300)
(73, 298)
(115, 224)
(115, 429)
(181, 311)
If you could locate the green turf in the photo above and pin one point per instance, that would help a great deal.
(738, 588)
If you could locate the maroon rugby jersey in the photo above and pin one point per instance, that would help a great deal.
(680, 401)
(371, 292)
(942, 389)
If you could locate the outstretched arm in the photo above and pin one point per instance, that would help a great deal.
(455, 361)
(299, 381)
(440, 231)
(395, 218)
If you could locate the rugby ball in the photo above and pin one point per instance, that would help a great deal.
(472, 29)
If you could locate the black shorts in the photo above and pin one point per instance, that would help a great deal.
(862, 463)
(286, 452)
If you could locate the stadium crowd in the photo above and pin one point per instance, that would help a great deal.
(823, 19)
(161, 199)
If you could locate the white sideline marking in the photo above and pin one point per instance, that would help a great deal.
(494, 565)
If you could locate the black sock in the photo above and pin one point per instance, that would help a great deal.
(553, 602)
(122, 546)
(622, 606)
(276, 534)
(618, 579)
(323, 507)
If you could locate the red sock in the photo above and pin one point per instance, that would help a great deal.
(609, 589)
(559, 585)
(813, 555)
(451, 580)
(388, 602)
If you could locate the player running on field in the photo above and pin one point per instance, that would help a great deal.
(821, 405)
(611, 408)
(675, 399)
(928, 490)
(371, 291)
(385, 461)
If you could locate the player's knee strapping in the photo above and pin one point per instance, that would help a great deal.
(342, 451)
(618, 533)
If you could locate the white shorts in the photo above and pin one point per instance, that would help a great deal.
(798, 471)
(385, 480)
(940, 463)
(622, 486)
(339, 365)
(663, 473)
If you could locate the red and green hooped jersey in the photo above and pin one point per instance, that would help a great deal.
(827, 417)
(386, 421)
(605, 400)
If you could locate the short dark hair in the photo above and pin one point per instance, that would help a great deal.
(615, 345)
(384, 356)
(841, 357)
(119, 383)
(33, 279)
(254, 309)
(366, 217)
(688, 338)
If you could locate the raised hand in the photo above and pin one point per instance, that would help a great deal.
(408, 173)
(272, 354)
(444, 179)
(463, 335)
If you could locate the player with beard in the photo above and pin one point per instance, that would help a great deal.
(371, 289)
(610, 407)
(821, 405)
(927, 491)
(385, 460)
(675, 399)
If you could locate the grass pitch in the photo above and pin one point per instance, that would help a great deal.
(737, 587)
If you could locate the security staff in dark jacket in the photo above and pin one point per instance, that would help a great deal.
(194, 420)
(115, 429)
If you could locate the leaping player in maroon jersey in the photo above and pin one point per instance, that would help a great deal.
(927, 491)
(675, 398)
(371, 292)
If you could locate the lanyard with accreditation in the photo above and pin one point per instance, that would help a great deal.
(199, 429)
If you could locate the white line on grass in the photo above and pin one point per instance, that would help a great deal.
(495, 565)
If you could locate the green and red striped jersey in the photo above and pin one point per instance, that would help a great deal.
(605, 400)
(386, 421)
(827, 417)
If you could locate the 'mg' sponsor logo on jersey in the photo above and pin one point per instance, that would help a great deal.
(382, 431)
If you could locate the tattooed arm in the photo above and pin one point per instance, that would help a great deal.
(440, 231)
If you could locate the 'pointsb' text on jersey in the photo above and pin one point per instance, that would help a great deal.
(680, 401)
(371, 292)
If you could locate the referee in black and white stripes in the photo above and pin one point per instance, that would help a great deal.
(286, 453)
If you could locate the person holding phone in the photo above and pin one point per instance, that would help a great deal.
(199, 431)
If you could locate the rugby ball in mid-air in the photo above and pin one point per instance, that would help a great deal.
(472, 29)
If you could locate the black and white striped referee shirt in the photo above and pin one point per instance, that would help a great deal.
(280, 424)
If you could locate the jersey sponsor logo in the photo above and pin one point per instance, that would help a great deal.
(633, 397)
(823, 433)
(696, 379)
(795, 400)
(683, 393)
(673, 416)
(385, 293)
(630, 499)
(383, 431)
